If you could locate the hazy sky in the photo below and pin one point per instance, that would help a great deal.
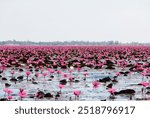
(87, 20)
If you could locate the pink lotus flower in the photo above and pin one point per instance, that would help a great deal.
(51, 71)
(111, 90)
(61, 86)
(65, 75)
(70, 78)
(77, 93)
(59, 72)
(27, 67)
(70, 71)
(44, 74)
(28, 73)
(118, 74)
(144, 74)
(9, 97)
(22, 94)
(145, 84)
(95, 84)
(85, 74)
(78, 69)
(37, 75)
(8, 91)
(12, 73)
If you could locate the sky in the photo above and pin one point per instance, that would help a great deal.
(78, 20)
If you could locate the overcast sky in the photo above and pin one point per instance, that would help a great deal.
(86, 20)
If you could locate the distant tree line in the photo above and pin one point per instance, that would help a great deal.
(14, 42)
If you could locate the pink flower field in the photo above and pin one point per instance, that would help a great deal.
(69, 73)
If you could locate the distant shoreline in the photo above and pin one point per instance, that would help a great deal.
(68, 43)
